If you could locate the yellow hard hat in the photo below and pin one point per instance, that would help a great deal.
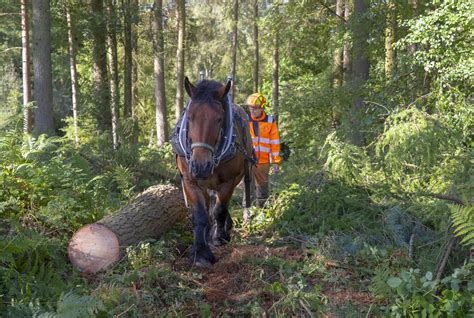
(256, 100)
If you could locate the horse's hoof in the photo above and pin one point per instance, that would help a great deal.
(203, 258)
(219, 237)
(203, 263)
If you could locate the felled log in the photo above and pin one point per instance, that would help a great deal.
(96, 246)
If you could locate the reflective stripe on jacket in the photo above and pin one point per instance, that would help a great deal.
(265, 138)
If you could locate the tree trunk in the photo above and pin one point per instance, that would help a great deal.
(390, 39)
(128, 61)
(26, 70)
(73, 70)
(360, 72)
(255, 43)
(337, 66)
(346, 52)
(234, 45)
(159, 69)
(275, 74)
(414, 6)
(181, 21)
(113, 69)
(134, 37)
(43, 82)
(102, 97)
(96, 246)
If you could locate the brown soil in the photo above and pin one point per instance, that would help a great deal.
(236, 279)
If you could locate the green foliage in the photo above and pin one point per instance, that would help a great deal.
(345, 161)
(45, 180)
(48, 190)
(320, 207)
(419, 151)
(9, 93)
(463, 222)
(72, 305)
(445, 38)
(413, 294)
(31, 268)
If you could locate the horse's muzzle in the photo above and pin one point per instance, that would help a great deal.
(200, 170)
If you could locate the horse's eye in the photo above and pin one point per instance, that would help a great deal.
(220, 120)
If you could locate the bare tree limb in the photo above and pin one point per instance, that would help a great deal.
(11, 49)
(3, 14)
(331, 10)
(442, 264)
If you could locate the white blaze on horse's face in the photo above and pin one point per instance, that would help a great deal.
(205, 122)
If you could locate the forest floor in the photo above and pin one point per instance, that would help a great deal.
(253, 271)
(254, 275)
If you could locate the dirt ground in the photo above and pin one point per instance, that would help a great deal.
(235, 279)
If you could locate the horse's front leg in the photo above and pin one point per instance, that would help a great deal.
(200, 254)
(222, 222)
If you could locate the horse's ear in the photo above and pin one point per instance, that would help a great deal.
(189, 87)
(222, 92)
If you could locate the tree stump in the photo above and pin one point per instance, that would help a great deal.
(96, 246)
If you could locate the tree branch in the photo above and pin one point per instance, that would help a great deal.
(10, 49)
(331, 10)
(9, 13)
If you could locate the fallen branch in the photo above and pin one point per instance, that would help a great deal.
(444, 260)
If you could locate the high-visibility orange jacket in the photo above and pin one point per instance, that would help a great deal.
(265, 138)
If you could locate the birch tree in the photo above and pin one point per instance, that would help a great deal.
(73, 71)
(26, 69)
(159, 73)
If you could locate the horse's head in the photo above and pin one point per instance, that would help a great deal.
(206, 115)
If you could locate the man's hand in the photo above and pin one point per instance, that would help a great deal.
(275, 168)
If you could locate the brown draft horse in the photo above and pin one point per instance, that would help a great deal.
(215, 145)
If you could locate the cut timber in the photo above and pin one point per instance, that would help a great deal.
(96, 246)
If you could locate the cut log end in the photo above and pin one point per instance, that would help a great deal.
(93, 248)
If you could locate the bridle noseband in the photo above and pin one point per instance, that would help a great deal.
(203, 145)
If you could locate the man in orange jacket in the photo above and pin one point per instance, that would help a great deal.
(266, 142)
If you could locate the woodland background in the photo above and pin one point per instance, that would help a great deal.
(371, 215)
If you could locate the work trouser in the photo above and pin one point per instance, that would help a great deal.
(260, 186)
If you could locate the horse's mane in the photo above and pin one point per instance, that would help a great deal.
(206, 91)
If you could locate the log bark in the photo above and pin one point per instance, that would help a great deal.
(97, 246)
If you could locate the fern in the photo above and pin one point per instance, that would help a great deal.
(463, 221)
(71, 305)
